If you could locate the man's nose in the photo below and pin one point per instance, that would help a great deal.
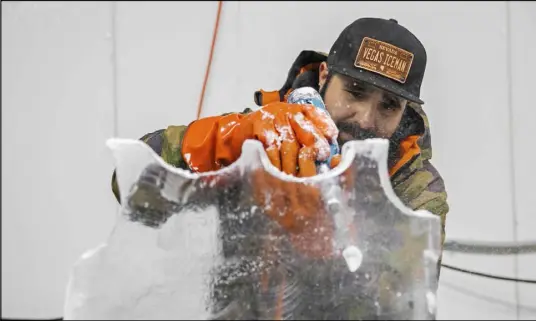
(366, 118)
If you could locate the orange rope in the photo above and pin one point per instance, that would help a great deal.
(207, 72)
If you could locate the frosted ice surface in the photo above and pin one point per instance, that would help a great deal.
(249, 242)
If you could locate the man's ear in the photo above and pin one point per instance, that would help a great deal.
(322, 74)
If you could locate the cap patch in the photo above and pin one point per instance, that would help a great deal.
(384, 59)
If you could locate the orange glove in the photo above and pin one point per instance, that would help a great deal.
(292, 135)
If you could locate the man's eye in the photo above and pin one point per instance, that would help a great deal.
(357, 95)
(390, 106)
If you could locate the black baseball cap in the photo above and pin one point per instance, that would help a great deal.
(382, 53)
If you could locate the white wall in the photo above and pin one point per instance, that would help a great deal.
(75, 74)
(57, 111)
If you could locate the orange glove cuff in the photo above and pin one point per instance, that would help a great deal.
(198, 142)
(214, 142)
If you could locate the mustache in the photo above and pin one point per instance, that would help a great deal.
(358, 133)
(354, 130)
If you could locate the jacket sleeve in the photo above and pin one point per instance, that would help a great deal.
(424, 189)
(438, 205)
(428, 193)
(167, 144)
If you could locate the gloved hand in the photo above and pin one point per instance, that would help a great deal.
(294, 137)
(298, 209)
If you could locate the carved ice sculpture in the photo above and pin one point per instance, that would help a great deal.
(205, 247)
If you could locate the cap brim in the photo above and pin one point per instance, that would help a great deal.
(377, 81)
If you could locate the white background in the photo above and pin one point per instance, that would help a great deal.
(75, 74)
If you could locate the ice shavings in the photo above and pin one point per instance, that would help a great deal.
(313, 103)
(285, 132)
(266, 115)
(330, 127)
(321, 145)
(272, 138)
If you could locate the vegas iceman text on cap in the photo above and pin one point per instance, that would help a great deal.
(382, 53)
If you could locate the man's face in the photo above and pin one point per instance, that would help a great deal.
(360, 110)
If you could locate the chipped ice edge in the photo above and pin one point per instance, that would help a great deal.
(373, 148)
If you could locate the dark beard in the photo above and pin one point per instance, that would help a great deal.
(358, 133)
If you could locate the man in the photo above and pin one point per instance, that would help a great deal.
(370, 83)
